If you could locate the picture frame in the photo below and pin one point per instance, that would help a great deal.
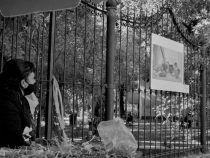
(167, 65)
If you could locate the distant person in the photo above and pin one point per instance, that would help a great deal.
(129, 119)
(186, 121)
(162, 70)
(176, 71)
(16, 81)
(171, 69)
(167, 67)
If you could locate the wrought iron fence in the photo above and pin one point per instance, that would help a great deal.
(163, 123)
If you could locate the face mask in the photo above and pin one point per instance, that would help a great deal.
(29, 89)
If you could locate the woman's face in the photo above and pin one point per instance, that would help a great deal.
(28, 84)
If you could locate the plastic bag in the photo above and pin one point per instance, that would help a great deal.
(117, 136)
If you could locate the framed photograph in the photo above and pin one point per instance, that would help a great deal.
(167, 65)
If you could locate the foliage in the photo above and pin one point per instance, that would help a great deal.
(186, 21)
(176, 111)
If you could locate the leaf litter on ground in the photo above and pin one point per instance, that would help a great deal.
(55, 149)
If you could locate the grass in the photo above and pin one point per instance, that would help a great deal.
(199, 155)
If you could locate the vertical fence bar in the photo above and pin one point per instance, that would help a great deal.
(121, 89)
(192, 96)
(207, 108)
(145, 67)
(203, 102)
(111, 49)
(39, 115)
(102, 62)
(150, 90)
(13, 32)
(2, 44)
(199, 94)
(48, 126)
(139, 77)
(126, 65)
(30, 38)
(74, 86)
(93, 72)
(64, 53)
(16, 38)
(84, 66)
(195, 95)
(156, 30)
(133, 71)
(187, 62)
(25, 47)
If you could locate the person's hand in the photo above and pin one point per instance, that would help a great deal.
(27, 130)
(26, 134)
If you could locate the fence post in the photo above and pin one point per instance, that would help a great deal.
(203, 102)
(48, 118)
(111, 50)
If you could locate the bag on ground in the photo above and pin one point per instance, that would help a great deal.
(116, 136)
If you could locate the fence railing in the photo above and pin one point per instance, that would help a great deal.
(162, 122)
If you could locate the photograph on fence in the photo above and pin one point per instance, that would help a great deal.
(167, 65)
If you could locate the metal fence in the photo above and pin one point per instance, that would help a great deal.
(163, 123)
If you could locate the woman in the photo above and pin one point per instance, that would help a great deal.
(16, 81)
